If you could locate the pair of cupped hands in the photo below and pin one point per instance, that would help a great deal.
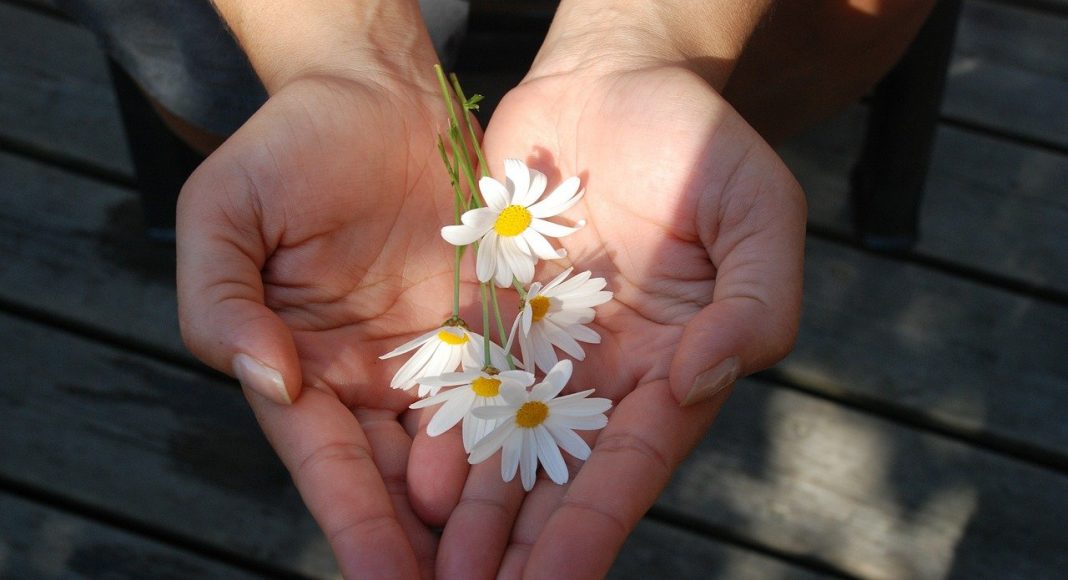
(309, 245)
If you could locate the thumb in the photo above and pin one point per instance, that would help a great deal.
(726, 340)
(224, 321)
(753, 319)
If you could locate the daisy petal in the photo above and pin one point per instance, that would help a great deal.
(498, 357)
(522, 245)
(481, 218)
(557, 280)
(474, 429)
(522, 378)
(510, 452)
(521, 266)
(411, 370)
(491, 443)
(435, 400)
(566, 317)
(462, 235)
(494, 193)
(537, 186)
(518, 177)
(527, 316)
(411, 344)
(583, 333)
(541, 247)
(513, 395)
(451, 379)
(568, 440)
(542, 350)
(511, 333)
(486, 261)
(581, 407)
(563, 197)
(528, 460)
(549, 455)
(585, 301)
(451, 413)
(573, 285)
(563, 340)
(526, 352)
(472, 351)
(554, 230)
(586, 423)
(555, 380)
(493, 412)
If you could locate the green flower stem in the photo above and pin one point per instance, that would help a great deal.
(454, 180)
(501, 335)
(459, 147)
(487, 359)
(519, 288)
(470, 126)
(459, 250)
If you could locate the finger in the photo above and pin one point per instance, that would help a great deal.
(753, 318)
(391, 446)
(647, 436)
(436, 472)
(538, 506)
(332, 464)
(224, 322)
(476, 535)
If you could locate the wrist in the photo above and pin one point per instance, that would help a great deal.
(604, 36)
(286, 40)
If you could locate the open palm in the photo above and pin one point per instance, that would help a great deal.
(698, 228)
(310, 242)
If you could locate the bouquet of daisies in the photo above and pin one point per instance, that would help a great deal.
(498, 399)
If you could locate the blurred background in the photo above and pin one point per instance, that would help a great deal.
(917, 431)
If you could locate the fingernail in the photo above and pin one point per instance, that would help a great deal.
(260, 378)
(712, 381)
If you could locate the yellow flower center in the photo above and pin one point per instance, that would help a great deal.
(531, 414)
(486, 387)
(539, 307)
(512, 221)
(450, 338)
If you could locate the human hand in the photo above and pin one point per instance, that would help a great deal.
(698, 228)
(308, 246)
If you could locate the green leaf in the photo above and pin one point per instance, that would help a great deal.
(472, 103)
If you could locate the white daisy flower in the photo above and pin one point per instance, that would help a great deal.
(441, 351)
(474, 388)
(554, 315)
(512, 227)
(534, 424)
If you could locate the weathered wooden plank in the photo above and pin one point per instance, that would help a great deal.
(658, 551)
(159, 446)
(40, 542)
(786, 470)
(55, 93)
(1010, 71)
(74, 248)
(82, 427)
(57, 96)
(990, 204)
(919, 340)
(873, 498)
(966, 355)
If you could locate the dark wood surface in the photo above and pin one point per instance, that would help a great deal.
(916, 431)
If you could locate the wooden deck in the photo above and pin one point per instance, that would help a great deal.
(918, 430)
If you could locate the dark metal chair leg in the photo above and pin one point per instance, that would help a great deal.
(162, 161)
(889, 177)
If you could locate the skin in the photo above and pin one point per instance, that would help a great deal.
(310, 241)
